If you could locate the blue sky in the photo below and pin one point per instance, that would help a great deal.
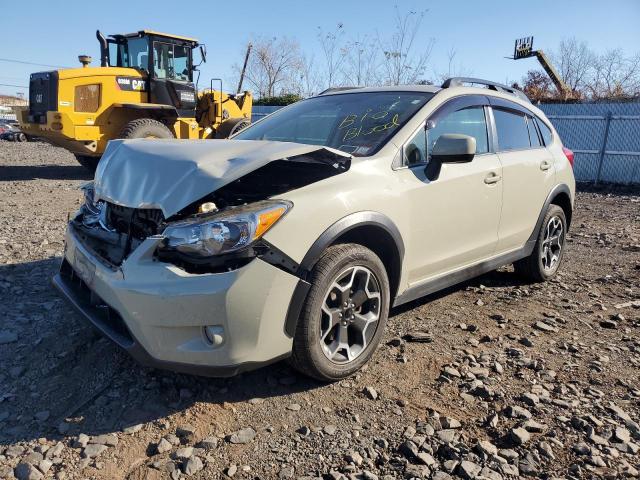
(481, 32)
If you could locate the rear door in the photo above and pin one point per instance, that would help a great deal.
(527, 169)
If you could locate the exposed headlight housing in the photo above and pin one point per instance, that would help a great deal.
(225, 232)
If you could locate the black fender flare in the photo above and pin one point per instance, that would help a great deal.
(560, 188)
(327, 238)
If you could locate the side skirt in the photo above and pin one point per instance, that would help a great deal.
(447, 280)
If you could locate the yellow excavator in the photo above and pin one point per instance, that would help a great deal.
(143, 88)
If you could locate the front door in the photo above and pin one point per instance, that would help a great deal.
(171, 80)
(455, 218)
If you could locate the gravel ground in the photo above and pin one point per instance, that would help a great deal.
(491, 379)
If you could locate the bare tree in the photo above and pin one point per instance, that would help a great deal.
(454, 69)
(361, 62)
(574, 61)
(272, 64)
(404, 61)
(309, 82)
(333, 52)
(615, 75)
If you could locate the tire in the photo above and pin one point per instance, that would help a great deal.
(312, 355)
(231, 127)
(545, 260)
(20, 137)
(90, 163)
(145, 128)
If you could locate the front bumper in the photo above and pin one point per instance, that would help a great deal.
(157, 312)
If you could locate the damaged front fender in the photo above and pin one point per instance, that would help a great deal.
(172, 174)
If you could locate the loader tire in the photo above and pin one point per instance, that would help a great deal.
(145, 128)
(90, 163)
(231, 127)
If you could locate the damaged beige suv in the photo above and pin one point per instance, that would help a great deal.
(296, 237)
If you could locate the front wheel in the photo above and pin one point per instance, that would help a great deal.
(90, 163)
(145, 128)
(232, 126)
(344, 315)
(544, 261)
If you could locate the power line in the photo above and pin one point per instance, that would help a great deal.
(30, 63)
(9, 85)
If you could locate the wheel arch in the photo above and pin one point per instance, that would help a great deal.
(563, 200)
(560, 195)
(369, 229)
(151, 110)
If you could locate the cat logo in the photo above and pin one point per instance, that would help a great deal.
(131, 84)
(38, 98)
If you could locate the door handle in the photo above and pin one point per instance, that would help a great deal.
(545, 165)
(492, 178)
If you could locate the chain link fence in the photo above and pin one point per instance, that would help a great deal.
(604, 137)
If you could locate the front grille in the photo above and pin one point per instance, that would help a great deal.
(139, 222)
(107, 318)
(43, 95)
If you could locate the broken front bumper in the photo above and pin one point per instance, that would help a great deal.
(157, 312)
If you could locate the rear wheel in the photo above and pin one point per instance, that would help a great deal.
(90, 163)
(145, 128)
(344, 315)
(20, 137)
(544, 261)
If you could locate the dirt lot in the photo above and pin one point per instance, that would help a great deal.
(508, 379)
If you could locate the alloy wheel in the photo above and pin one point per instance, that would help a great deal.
(350, 314)
(552, 243)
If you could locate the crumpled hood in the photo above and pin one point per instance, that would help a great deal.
(172, 174)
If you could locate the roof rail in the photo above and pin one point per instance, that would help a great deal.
(499, 87)
(337, 89)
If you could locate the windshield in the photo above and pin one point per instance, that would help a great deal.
(356, 123)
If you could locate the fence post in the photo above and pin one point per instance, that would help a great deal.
(604, 146)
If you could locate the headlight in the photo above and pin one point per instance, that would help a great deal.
(225, 232)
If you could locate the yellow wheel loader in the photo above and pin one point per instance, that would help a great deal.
(143, 88)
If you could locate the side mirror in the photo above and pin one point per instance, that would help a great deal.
(454, 148)
(450, 148)
(203, 53)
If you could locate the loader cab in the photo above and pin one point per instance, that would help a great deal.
(167, 62)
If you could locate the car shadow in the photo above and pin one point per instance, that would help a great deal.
(9, 173)
(495, 279)
(61, 378)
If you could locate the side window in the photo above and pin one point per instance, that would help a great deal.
(533, 133)
(468, 121)
(181, 63)
(513, 133)
(138, 50)
(415, 150)
(547, 136)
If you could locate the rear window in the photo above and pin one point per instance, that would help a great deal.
(547, 136)
(513, 133)
(533, 133)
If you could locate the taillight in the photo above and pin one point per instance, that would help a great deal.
(569, 154)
